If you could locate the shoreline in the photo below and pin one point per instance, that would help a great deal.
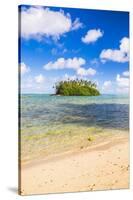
(99, 167)
(99, 143)
(64, 141)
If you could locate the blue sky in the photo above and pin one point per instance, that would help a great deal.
(61, 43)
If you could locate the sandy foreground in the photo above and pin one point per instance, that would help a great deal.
(100, 167)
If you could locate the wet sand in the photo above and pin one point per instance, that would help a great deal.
(101, 166)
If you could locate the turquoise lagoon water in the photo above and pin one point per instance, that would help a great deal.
(105, 111)
(53, 124)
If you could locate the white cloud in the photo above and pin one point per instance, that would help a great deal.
(24, 68)
(120, 85)
(107, 87)
(37, 22)
(107, 84)
(92, 36)
(124, 45)
(62, 63)
(71, 63)
(86, 72)
(113, 55)
(39, 79)
(122, 90)
(126, 73)
(122, 82)
(117, 55)
(27, 83)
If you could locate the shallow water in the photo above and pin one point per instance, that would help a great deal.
(51, 124)
(109, 111)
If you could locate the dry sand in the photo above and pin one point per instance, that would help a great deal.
(101, 167)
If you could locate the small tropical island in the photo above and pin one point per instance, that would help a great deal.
(76, 88)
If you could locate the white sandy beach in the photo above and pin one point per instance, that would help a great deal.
(100, 167)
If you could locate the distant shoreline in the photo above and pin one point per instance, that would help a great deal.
(52, 94)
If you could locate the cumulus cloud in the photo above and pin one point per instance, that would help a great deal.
(71, 63)
(126, 73)
(119, 85)
(122, 82)
(124, 45)
(113, 55)
(92, 36)
(39, 79)
(38, 84)
(86, 72)
(62, 63)
(117, 55)
(24, 68)
(37, 22)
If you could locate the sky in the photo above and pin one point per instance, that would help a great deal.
(60, 43)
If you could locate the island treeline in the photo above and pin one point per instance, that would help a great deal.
(76, 88)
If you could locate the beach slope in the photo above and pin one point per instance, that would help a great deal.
(100, 167)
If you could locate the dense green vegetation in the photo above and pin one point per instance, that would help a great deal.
(76, 88)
